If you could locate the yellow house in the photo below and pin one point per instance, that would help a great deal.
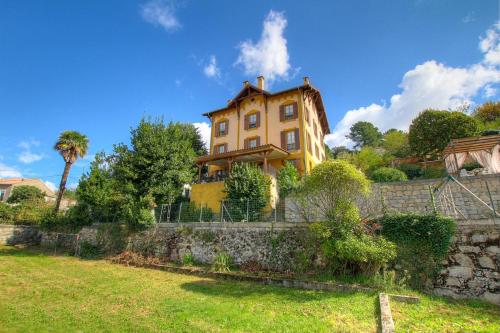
(264, 128)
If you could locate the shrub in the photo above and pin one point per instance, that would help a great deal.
(383, 175)
(471, 166)
(288, 179)
(341, 241)
(24, 213)
(247, 184)
(489, 111)
(26, 193)
(188, 259)
(191, 213)
(423, 242)
(89, 251)
(432, 172)
(412, 171)
(222, 262)
(6, 214)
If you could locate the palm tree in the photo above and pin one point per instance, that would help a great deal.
(70, 145)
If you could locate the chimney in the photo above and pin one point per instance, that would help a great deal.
(261, 83)
(306, 81)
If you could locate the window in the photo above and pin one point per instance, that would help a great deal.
(222, 128)
(2, 194)
(252, 121)
(252, 143)
(317, 151)
(289, 114)
(315, 130)
(307, 115)
(221, 149)
(290, 140)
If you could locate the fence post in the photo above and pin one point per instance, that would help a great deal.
(201, 211)
(275, 209)
(221, 211)
(491, 200)
(180, 210)
(433, 200)
(169, 211)
(248, 203)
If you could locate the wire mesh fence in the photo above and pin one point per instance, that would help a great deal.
(231, 211)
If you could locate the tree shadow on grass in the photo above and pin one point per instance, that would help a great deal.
(28, 251)
(239, 289)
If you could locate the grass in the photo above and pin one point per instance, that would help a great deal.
(43, 293)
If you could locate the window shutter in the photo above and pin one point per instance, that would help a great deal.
(258, 119)
(283, 140)
(217, 129)
(225, 147)
(295, 111)
(246, 122)
(297, 139)
(282, 112)
(245, 144)
(258, 140)
(227, 127)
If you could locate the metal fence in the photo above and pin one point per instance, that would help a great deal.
(230, 211)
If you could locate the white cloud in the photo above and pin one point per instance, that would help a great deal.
(489, 91)
(211, 70)
(27, 156)
(428, 85)
(9, 172)
(469, 18)
(50, 185)
(72, 186)
(269, 56)
(205, 131)
(178, 82)
(162, 13)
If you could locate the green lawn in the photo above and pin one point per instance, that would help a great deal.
(41, 293)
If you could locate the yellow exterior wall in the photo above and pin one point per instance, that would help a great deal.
(208, 194)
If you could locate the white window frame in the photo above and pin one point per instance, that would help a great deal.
(221, 149)
(252, 143)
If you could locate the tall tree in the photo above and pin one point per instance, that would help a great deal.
(160, 160)
(432, 130)
(70, 145)
(396, 143)
(364, 133)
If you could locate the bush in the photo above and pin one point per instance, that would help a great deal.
(384, 175)
(340, 240)
(222, 262)
(89, 251)
(432, 172)
(288, 179)
(247, 184)
(471, 166)
(188, 259)
(412, 171)
(423, 242)
(26, 193)
(24, 213)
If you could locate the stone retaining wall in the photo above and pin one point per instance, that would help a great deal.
(19, 234)
(472, 269)
(271, 246)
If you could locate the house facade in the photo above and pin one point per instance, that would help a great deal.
(8, 184)
(264, 128)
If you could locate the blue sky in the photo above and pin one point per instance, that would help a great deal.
(99, 66)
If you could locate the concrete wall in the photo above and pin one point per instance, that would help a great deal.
(472, 269)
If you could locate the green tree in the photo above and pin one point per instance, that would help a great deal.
(247, 184)
(364, 133)
(367, 159)
(396, 143)
(70, 145)
(288, 179)
(334, 152)
(98, 195)
(432, 130)
(25, 193)
(159, 162)
(487, 112)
